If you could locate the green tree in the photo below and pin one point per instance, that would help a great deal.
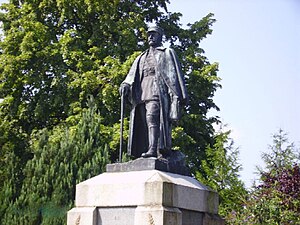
(62, 158)
(56, 53)
(221, 173)
(275, 199)
(282, 155)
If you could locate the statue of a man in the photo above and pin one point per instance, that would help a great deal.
(155, 88)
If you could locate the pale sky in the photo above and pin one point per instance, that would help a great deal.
(256, 43)
(257, 46)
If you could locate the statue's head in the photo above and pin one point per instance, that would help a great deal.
(155, 34)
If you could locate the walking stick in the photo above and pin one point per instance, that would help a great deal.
(122, 125)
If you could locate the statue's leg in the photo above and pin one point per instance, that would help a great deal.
(139, 133)
(152, 118)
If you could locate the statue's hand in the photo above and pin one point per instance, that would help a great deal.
(174, 109)
(124, 89)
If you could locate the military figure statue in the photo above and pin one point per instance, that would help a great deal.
(155, 88)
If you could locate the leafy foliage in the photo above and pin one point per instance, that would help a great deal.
(221, 173)
(54, 54)
(276, 199)
(62, 158)
(283, 154)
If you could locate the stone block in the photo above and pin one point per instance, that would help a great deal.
(82, 216)
(192, 217)
(174, 164)
(148, 197)
(149, 187)
(157, 215)
(116, 216)
(212, 219)
(111, 190)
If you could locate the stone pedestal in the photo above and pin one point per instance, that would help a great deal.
(146, 197)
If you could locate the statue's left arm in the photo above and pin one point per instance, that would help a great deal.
(180, 77)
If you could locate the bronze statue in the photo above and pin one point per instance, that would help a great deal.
(155, 88)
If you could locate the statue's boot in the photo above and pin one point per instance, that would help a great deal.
(153, 134)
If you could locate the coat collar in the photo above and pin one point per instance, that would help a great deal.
(161, 48)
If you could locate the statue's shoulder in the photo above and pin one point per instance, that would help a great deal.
(167, 50)
(138, 58)
(142, 53)
(170, 50)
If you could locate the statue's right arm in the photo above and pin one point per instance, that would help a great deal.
(127, 84)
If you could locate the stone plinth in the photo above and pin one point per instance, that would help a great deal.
(174, 165)
(147, 197)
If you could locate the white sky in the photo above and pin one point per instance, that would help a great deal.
(257, 46)
(256, 43)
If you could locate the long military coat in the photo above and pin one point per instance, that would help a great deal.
(172, 90)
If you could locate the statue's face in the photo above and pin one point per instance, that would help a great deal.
(154, 39)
